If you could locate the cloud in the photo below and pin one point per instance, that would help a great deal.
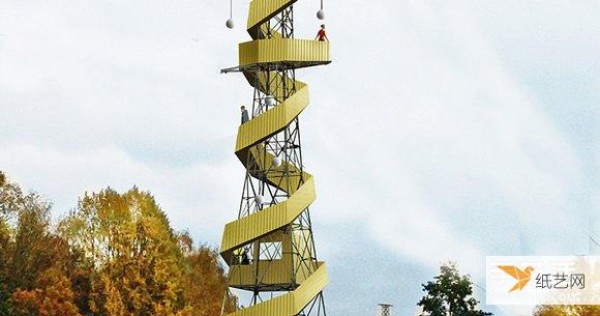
(432, 142)
(63, 176)
(432, 128)
(99, 74)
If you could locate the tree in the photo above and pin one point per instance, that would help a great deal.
(450, 294)
(35, 249)
(206, 284)
(115, 254)
(9, 193)
(567, 310)
(52, 297)
(34, 262)
(136, 256)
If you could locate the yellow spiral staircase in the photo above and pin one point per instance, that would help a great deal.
(295, 275)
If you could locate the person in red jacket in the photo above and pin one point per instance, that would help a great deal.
(321, 36)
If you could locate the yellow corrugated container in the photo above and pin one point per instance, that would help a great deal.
(283, 50)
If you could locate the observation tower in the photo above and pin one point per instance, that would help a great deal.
(269, 248)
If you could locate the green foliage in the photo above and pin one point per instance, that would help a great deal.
(450, 294)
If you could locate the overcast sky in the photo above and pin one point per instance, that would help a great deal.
(443, 130)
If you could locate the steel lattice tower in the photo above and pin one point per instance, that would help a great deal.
(385, 309)
(270, 248)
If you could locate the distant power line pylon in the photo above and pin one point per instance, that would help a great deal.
(386, 309)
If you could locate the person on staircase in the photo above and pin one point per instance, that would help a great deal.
(321, 36)
(245, 117)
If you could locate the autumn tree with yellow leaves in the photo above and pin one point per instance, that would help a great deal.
(115, 254)
(135, 254)
(567, 310)
(34, 262)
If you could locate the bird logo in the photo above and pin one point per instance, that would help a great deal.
(522, 276)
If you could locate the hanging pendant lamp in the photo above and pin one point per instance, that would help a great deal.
(321, 13)
(229, 22)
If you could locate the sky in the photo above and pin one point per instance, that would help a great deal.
(442, 130)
